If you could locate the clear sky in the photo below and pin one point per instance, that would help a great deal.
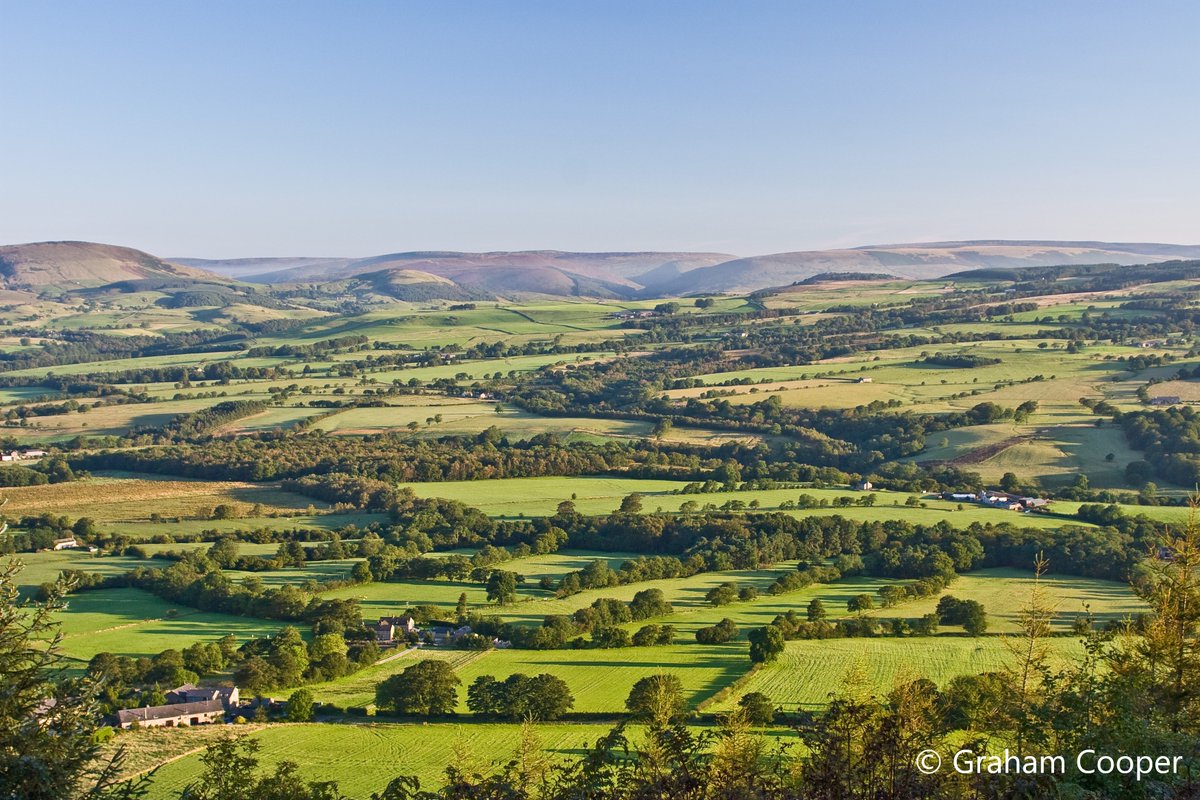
(225, 129)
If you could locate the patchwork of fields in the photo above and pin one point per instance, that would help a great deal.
(435, 375)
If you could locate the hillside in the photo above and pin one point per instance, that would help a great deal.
(493, 274)
(70, 265)
(430, 275)
(650, 274)
(452, 275)
(928, 260)
(243, 267)
(611, 267)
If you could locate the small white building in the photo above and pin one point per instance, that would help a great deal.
(68, 543)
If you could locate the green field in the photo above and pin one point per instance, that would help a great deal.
(467, 417)
(364, 758)
(418, 377)
(513, 497)
(45, 566)
(193, 527)
(600, 680)
(809, 671)
(1004, 592)
(597, 677)
(133, 622)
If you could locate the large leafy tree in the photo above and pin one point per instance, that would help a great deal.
(766, 644)
(502, 587)
(426, 688)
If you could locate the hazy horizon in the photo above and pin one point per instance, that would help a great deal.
(224, 131)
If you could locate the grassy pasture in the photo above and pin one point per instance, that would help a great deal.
(359, 689)
(817, 297)
(362, 758)
(468, 417)
(809, 671)
(600, 680)
(1004, 592)
(44, 567)
(897, 374)
(1187, 391)
(112, 419)
(475, 370)
(418, 328)
(509, 497)
(134, 622)
(26, 394)
(1051, 454)
(122, 364)
(393, 597)
(311, 571)
(191, 527)
(244, 548)
(270, 419)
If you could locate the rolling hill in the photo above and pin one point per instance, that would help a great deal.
(928, 260)
(444, 275)
(650, 274)
(243, 267)
(486, 275)
(73, 265)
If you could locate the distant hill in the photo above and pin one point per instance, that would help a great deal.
(926, 260)
(403, 284)
(652, 274)
(243, 267)
(494, 274)
(448, 275)
(72, 265)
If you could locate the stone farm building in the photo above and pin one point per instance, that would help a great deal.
(190, 705)
(389, 628)
(174, 715)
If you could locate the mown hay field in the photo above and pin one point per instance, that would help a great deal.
(809, 671)
(364, 758)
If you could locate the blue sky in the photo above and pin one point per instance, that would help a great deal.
(223, 129)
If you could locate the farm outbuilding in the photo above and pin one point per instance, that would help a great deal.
(175, 715)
